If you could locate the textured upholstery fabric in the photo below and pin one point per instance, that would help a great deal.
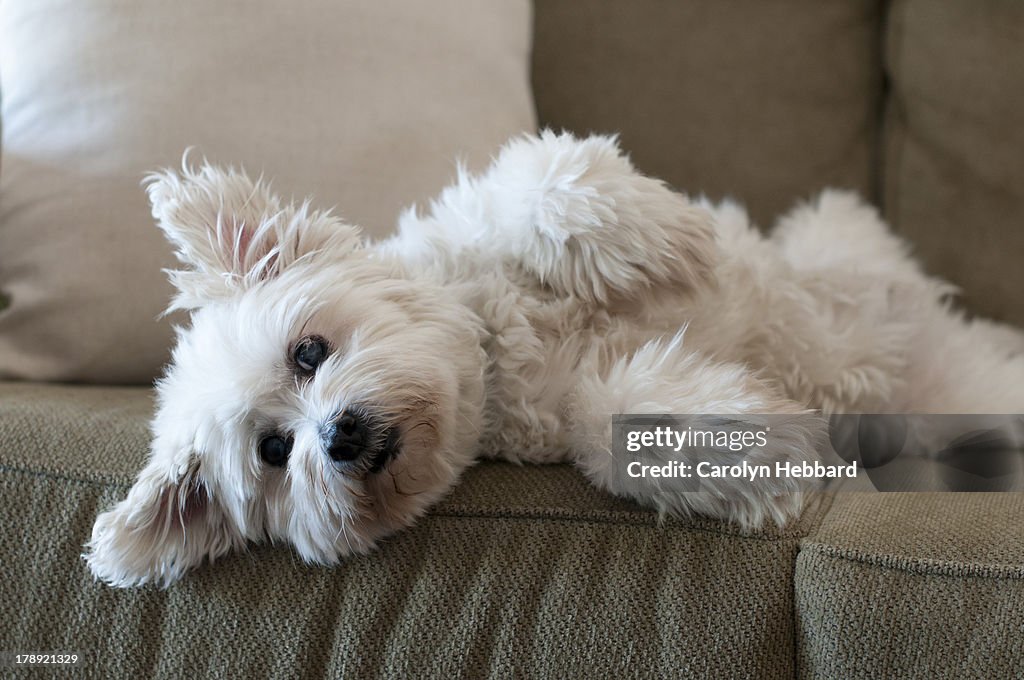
(351, 102)
(920, 585)
(954, 166)
(522, 568)
(763, 101)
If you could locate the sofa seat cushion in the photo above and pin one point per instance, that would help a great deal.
(920, 584)
(521, 567)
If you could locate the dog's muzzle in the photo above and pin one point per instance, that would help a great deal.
(355, 436)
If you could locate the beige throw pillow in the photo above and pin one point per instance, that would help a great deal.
(365, 104)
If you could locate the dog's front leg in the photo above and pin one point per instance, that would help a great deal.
(665, 378)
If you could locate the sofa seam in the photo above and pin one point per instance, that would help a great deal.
(894, 141)
(916, 566)
(826, 501)
(527, 516)
(654, 522)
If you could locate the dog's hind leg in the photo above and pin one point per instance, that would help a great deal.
(947, 364)
(575, 214)
(663, 377)
(839, 231)
(965, 367)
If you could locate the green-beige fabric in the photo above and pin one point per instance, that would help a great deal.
(766, 102)
(522, 570)
(954, 170)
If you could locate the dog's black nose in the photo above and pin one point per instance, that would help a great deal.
(349, 438)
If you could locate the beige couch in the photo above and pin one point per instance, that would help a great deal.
(529, 572)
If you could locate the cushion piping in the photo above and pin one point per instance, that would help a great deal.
(920, 566)
(455, 510)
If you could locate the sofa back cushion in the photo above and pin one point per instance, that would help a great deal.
(365, 104)
(763, 101)
(916, 104)
(954, 152)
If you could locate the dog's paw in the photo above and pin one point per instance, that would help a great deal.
(750, 510)
(763, 483)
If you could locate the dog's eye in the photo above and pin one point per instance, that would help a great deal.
(274, 450)
(310, 352)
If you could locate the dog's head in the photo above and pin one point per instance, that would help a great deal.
(318, 396)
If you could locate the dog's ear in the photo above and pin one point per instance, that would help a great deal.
(231, 232)
(167, 525)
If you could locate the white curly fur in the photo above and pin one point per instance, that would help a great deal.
(526, 306)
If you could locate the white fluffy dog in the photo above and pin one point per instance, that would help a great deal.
(328, 391)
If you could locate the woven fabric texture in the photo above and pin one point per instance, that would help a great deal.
(859, 616)
(954, 171)
(523, 570)
(919, 584)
